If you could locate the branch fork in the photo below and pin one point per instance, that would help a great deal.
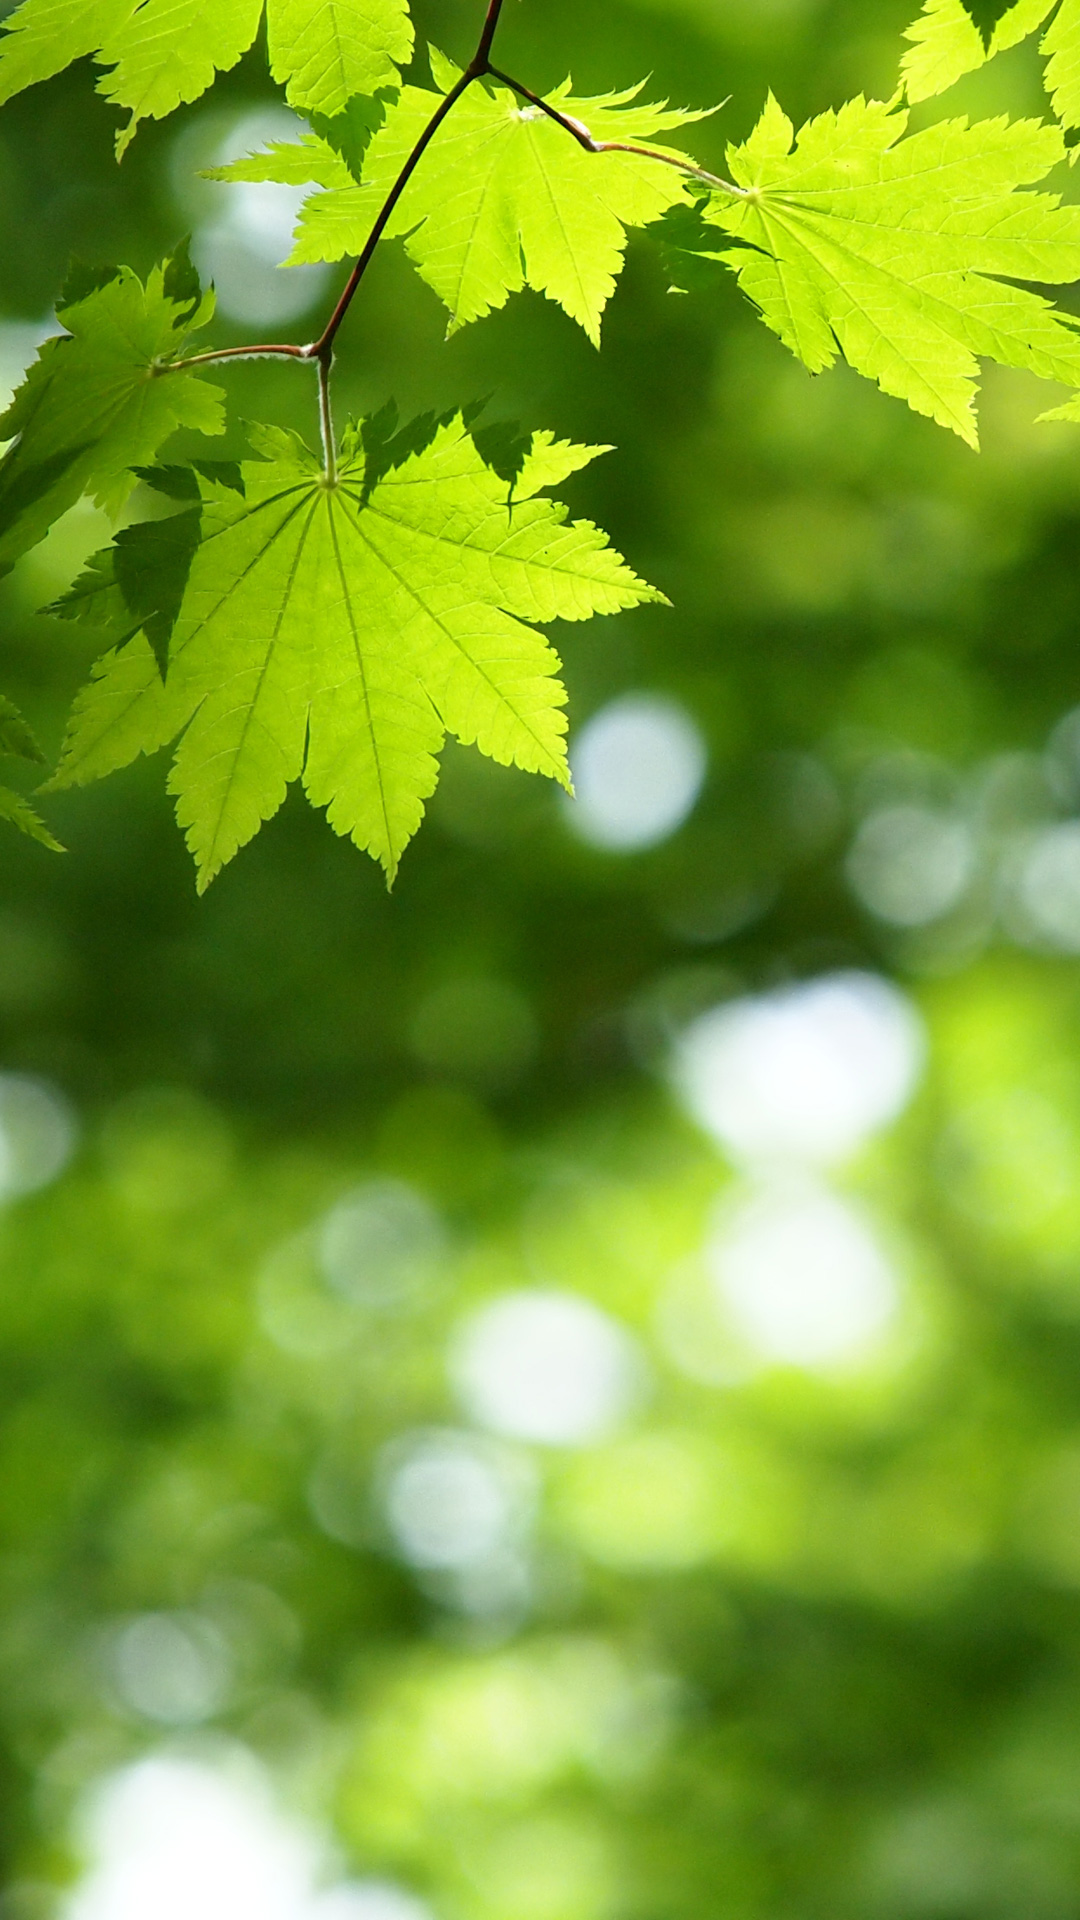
(320, 352)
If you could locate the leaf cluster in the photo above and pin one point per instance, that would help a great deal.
(331, 620)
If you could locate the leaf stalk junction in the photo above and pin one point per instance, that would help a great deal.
(320, 352)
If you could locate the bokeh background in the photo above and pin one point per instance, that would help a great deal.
(554, 1394)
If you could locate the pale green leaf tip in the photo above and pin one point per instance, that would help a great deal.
(206, 870)
(1070, 411)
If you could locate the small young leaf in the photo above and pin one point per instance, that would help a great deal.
(859, 239)
(339, 632)
(289, 164)
(505, 198)
(15, 736)
(17, 740)
(19, 813)
(96, 403)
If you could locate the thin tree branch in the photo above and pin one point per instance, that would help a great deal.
(579, 131)
(321, 350)
(479, 62)
(478, 66)
(278, 349)
(574, 128)
(323, 345)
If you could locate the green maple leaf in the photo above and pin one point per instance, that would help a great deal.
(42, 37)
(953, 37)
(138, 583)
(17, 740)
(96, 404)
(168, 51)
(311, 160)
(15, 736)
(860, 241)
(328, 50)
(504, 198)
(17, 811)
(338, 632)
(1061, 43)
(165, 52)
(985, 15)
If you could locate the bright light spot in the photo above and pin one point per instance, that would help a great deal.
(37, 1134)
(499, 1586)
(804, 1074)
(171, 1667)
(368, 1900)
(250, 290)
(1048, 886)
(19, 342)
(638, 767)
(910, 864)
(381, 1245)
(804, 1279)
(183, 1840)
(176, 1839)
(453, 1499)
(546, 1366)
(240, 250)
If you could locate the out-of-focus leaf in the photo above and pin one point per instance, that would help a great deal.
(96, 403)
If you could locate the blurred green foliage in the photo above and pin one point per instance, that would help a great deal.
(785, 1638)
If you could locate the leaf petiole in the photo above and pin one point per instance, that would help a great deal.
(480, 67)
(326, 422)
(579, 131)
